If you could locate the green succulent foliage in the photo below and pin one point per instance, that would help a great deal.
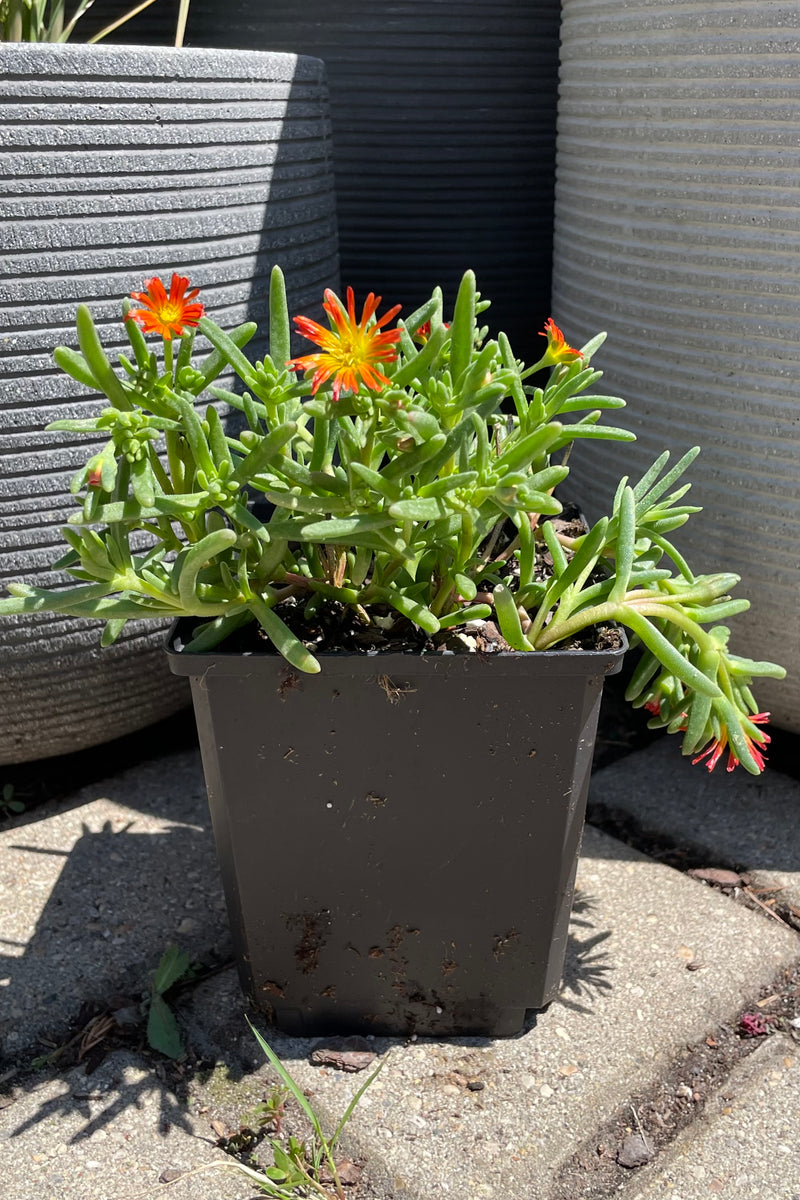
(388, 501)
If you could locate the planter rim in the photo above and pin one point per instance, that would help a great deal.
(195, 59)
(512, 662)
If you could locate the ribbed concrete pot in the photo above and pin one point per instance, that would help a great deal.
(118, 163)
(443, 117)
(678, 231)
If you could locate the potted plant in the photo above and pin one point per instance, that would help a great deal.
(119, 159)
(395, 636)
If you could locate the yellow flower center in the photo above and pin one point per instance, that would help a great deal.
(171, 312)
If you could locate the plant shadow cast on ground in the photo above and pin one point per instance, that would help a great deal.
(106, 1066)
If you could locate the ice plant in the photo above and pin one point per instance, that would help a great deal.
(558, 351)
(351, 349)
(754, 743)
(409, 489)
(163, 313)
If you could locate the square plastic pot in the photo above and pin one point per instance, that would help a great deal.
(398, 835)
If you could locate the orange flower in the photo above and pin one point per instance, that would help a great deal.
(424, 332)
(557, 349)
(350, 349)
(166, 314)
(717, 747)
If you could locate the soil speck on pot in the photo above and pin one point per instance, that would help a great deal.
(394, 691)
(314, 928)
(272, 988)
(502, 943)
(289, 681)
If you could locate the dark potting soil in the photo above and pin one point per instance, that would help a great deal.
(333, 628)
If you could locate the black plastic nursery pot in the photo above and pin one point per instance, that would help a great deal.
(398, 835)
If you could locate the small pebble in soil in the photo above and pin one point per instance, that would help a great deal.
(634, 1151)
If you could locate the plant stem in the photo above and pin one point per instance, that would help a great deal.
(674, 614)
(14, 30)
(168, 358)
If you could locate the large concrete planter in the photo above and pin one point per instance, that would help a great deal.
(119, 163)
(443, 115)
(677, 231)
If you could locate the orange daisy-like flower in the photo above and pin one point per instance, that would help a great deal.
(350, 348)
(717, 747)
(558, 350)
(166, 314)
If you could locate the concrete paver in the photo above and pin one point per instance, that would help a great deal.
(747, 821)
(745, 1142)
(108, 1136)
(628, 1007)
(94, 888)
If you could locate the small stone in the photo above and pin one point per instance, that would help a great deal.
(546, 1092)
(476, 1085)
(634, 1152)
(717, 876)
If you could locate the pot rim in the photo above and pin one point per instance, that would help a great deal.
(175, 62)
(407, 663)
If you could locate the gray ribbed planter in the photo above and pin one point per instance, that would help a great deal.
(677, 230)
(119, 163)
(443, 116)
